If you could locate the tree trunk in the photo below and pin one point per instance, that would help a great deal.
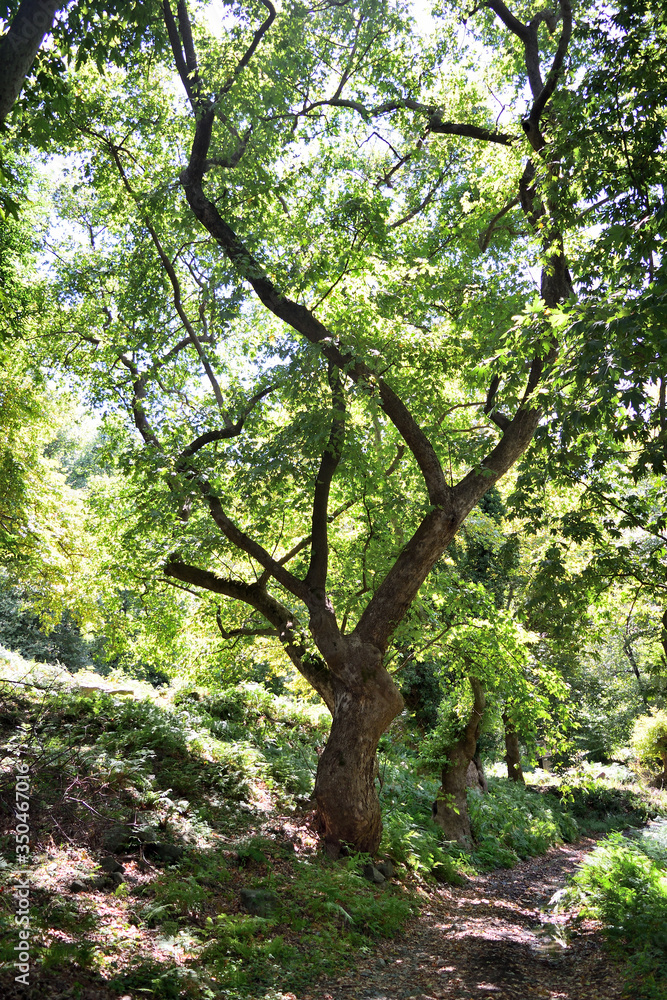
(450, 809)
(348, 807)
(476, 775)
(18, 48)
(512, 751)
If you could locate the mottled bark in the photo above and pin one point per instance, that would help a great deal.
(512, 751)
(450, 809)
(348, 806)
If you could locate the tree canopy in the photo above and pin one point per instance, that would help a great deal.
(317, 267)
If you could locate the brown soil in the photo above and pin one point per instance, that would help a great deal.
(491, 938)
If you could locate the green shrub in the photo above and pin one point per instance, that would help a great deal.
(620, 885)
(649, 739)
(513, 822)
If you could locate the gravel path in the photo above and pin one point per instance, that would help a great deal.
(491, 938)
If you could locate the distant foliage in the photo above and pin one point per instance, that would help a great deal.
(513, 822)
(649, 738)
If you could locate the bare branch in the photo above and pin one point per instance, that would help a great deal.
(316, 577)
(485, 237)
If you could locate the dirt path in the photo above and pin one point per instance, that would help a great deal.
(491, 939)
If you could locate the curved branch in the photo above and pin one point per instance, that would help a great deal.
(432, 111)
(19, 46)
(223, 433)
(557, 64)
(302, 319)
(278, 615)
(246, 544)
(485, 237)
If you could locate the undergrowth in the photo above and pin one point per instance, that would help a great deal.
(227, 776)
(623, 883)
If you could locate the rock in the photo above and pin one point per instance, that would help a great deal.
(259, 902)
(442, 874)
(371, 873)
(116, 878)
(110, 865)
(118, 838)
(147, 835)
(169, 853)
(385, 868)
(78, 886)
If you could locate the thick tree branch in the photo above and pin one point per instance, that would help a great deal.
(432, 112)
(141, 421)
(177, 50)
(277, 614)
(246, 544)
(557, 64)
(19, 46)
(499, 419)
(316, 577)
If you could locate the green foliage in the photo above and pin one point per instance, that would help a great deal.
(625, 887)
(513, 822)
(649, 738)
(25, 631)
(331, 908)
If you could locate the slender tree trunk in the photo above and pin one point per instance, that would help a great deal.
(512, 751)
(450, 809)
(348, 807)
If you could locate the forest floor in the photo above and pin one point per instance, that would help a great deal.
(491, 938)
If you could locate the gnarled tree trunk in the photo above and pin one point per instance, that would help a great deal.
(512, 751)
(450, 809)
(365, 702)
(345, 788)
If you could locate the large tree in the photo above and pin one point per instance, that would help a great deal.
(300, 345)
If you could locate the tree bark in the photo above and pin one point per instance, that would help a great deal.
(512, 751)
(450, 809)
(18, 48)
(345, 788)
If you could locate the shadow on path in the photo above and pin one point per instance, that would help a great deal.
(490, 938)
